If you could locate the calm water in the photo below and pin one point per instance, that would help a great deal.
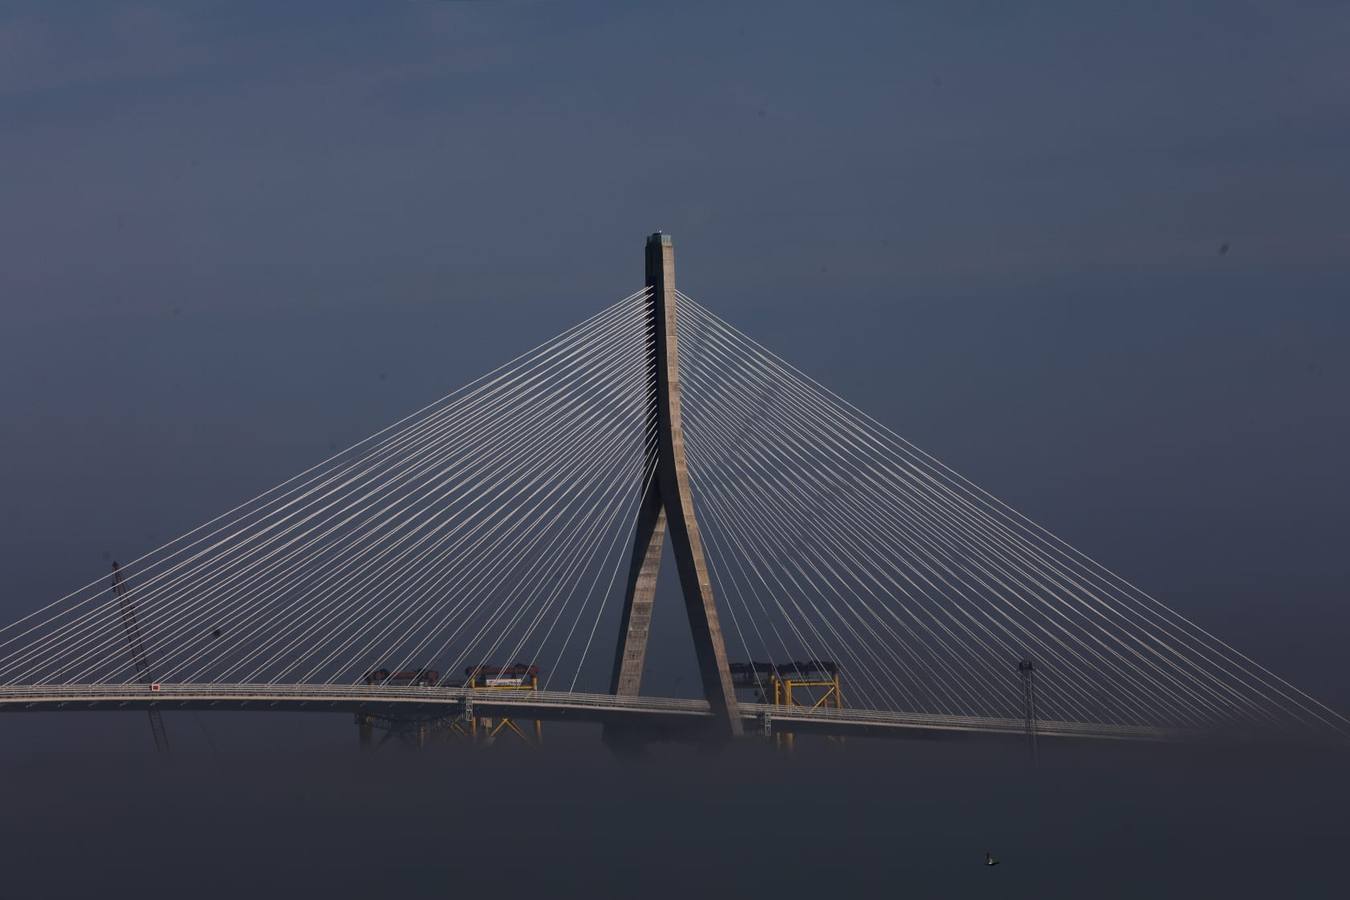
(288, 805)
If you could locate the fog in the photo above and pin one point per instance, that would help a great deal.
(288, 814)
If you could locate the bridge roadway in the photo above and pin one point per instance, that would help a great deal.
(666, 713)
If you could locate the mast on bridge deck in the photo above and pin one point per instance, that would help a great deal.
(138, 658)
(1027, 670)
(669, 501)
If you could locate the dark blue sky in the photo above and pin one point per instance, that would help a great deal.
(236, 235)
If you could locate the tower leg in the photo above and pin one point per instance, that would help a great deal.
(634, 628)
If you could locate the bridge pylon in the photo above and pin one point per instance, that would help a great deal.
(668, 503)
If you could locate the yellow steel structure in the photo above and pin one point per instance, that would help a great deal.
(492, 727)
(825, 693)
(417, 731)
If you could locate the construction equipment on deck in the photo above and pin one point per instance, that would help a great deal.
(811, 683)
(518, 677)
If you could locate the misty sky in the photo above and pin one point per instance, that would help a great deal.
(1098, 262)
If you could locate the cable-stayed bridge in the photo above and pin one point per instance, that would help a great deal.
(518, 524)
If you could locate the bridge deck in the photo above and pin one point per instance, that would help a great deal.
(536, 704)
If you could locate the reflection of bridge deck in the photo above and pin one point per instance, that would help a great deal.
(554, 705)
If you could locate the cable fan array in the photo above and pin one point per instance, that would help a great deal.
(490, 526)
(830, 537)
(493, 527)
